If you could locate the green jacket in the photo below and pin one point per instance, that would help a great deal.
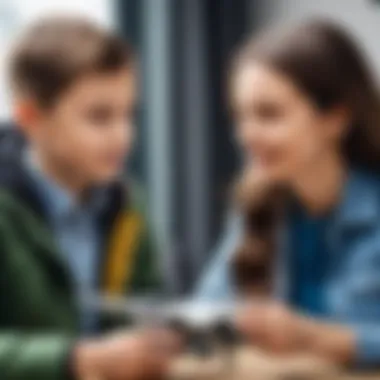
(38, 315)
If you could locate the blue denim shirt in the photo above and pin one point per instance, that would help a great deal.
(75, 228)
(309, 260)
(353, 280)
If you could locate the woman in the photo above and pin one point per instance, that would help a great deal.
(308, 110)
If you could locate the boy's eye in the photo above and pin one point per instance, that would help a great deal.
(268, 112)
(99, 115)
(263, 112)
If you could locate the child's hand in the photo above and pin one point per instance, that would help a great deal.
(126, 356)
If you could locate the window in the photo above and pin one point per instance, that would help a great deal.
(15, 14)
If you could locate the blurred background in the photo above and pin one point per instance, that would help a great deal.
(185, 155)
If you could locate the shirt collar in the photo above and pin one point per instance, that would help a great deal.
(360, 205)
(58, 201)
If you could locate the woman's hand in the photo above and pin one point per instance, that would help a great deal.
(271, 326)
(278, 329)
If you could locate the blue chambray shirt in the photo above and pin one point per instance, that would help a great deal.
(76, 231)
(352, 283)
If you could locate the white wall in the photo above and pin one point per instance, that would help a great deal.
(16, 14)
(362, 17)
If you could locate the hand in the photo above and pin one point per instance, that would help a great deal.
(271, 326)
(278, 329)
(126, 356)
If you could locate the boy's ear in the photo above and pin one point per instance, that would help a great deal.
(26, 114)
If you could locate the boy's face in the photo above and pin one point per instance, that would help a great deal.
(89, 131)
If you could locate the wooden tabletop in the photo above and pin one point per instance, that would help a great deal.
(251, 364)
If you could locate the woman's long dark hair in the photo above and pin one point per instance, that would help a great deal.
(325, 63)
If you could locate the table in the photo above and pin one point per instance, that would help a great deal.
(251, 364)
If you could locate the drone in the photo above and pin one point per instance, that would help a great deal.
(204, 326)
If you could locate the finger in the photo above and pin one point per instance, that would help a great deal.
(164, 341)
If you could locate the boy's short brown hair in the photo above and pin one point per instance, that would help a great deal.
(56, 51)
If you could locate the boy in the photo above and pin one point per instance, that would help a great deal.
(69, 226)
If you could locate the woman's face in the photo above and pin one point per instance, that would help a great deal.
(280, 130)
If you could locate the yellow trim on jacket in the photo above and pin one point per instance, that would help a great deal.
(121, 253)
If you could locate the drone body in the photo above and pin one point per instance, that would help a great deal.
(203, 326)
